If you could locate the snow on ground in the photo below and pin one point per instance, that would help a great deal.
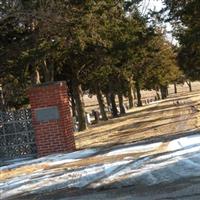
(54, 159)
(149, 164)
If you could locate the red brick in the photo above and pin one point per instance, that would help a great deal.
(53, 136)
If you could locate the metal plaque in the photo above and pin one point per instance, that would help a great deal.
(47, 114)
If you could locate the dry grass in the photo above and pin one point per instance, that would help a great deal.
(6, 174)
(146, 123)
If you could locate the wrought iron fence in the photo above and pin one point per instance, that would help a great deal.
(16, 135)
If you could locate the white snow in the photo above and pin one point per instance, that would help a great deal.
(135, 149)
(184, 142)
(180, 159)
(54, 159)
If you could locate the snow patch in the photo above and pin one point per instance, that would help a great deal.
(179, 159)
(135, 149)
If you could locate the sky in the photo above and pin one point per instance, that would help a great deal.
(151, 4)
(157, 5)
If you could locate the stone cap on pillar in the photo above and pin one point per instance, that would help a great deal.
(47, 84)
(50, 83)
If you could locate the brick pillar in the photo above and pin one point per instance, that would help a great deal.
(51, 118)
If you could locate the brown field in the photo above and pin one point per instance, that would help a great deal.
(156, 121)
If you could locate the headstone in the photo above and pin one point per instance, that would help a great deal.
(88, 118)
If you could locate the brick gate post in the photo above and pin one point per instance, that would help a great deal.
(51, 118)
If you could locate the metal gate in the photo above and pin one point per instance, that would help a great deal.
(16, 135)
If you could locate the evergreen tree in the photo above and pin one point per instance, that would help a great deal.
(184, 16)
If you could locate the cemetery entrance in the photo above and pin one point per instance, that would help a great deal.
(17, 138)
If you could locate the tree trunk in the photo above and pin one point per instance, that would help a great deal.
(107, 99)
(35, 75)
(52, 72)
(130, 97)
(2, 99)
(189, 85)
(48, 71)
(139, 97)
(163, 96)
(164, 92)
(134, 93)
(101, 104)
(113, 105)
(157, 93)
(121, 104)
(78, 97)
(167, 91)
(73, 104)
(175, 88)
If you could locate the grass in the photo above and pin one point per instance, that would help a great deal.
(150, 122)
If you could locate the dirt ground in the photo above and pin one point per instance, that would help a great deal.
(170, 117)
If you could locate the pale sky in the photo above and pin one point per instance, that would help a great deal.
(157, 5)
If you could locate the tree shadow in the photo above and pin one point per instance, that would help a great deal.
(124, 133)
(148, 111)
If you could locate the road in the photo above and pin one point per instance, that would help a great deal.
(187, 189)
